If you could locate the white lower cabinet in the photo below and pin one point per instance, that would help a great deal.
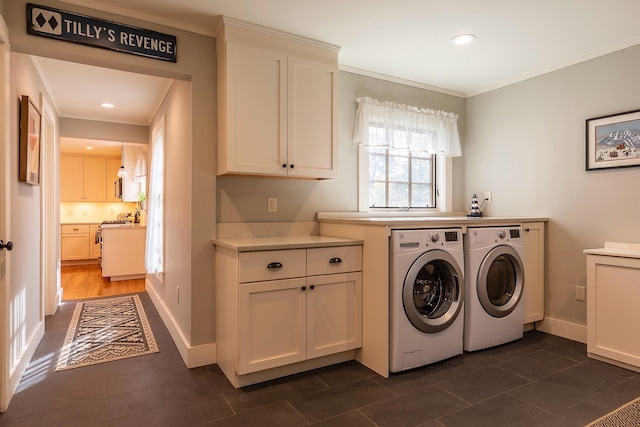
(289, 306)
(288, 321)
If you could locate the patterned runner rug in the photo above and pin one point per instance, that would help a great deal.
(625, 416)
(105, 330)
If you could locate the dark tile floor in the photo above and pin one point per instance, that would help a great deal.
(541, 380)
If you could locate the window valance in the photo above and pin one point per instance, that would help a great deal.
(399, 126)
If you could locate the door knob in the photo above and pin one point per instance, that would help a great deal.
(8, 245)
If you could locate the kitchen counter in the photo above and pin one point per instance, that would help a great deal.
(246, 244)
(616, 249)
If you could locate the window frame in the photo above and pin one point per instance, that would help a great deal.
(443, 188)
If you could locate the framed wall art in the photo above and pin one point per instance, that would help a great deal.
(613, 141)
(29, 167)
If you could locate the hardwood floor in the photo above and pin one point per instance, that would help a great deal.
(86, 281)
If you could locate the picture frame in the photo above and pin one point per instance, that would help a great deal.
(613, 141)
(29, 149)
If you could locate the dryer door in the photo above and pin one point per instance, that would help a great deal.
(433, 291)
(500, 282)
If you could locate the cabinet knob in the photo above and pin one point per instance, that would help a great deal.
(292, 166)
(304, 288)
(8, 246)
(312, 287)
(284, 165)
(274, 265)
(335, 260)
(527, 230)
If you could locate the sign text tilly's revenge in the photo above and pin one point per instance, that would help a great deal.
(45, 21)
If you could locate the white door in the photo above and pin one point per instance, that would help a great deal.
(4, 216)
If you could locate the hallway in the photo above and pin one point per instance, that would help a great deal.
(541, 380)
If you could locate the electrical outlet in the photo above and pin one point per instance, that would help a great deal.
(272, 204)
(581, 294)
(487, 197)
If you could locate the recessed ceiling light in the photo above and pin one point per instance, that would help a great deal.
(463, 38)
(107, 105)
(89, 147)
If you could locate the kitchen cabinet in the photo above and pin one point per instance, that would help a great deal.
(277, 105)
(283, 308)
(75, 242)
(534, 250)
(86, 179)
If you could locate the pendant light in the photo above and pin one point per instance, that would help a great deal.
(122, 173)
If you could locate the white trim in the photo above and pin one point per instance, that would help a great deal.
(5, 278)
(23, 361)
(193, 356)
(398, 80)
(564, 329)
(50, 207)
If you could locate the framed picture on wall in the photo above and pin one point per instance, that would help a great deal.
(29, 167)
(613, 141)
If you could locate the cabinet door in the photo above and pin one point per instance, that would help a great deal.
(334, 314)
(75, 246)
(312, 118)
(71, 179)
(113, 166)
(272, 324)
(256, 119)
(534, 271)
(95, 179)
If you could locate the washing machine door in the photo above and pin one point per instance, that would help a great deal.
(500, 282)
(433, 291)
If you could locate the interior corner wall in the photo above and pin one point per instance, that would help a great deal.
(526, 144)
(243, 199)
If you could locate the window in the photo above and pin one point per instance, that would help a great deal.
(401, 179)
(404, 155)
(154, 254)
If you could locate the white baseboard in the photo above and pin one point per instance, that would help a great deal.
(193, 356)
(564, 329)
(23, 362)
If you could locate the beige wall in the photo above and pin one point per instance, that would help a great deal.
(245, 199)
(526, 144)
(196, 64)
(92, 129)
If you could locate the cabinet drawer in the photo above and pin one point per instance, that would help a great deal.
(271, 265)
(75, 228)
(339, 259)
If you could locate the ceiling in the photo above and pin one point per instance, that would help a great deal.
(404, 40)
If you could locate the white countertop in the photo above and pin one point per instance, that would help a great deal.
(413, 220)
(245, 244)
(616, 249)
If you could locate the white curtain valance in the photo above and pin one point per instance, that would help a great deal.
(399, 126)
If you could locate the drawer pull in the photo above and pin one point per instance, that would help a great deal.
(274, 265)
(76, 229)
(335, 261)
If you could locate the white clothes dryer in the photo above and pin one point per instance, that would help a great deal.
(426, 297)
(494, 307)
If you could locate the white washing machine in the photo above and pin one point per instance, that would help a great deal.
(427, 296)
(494, 306)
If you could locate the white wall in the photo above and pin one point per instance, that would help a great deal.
(526, 144)
(196, 64)
(244, 199)
(25, 293)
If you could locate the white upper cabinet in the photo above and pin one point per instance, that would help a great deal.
(277, 103)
